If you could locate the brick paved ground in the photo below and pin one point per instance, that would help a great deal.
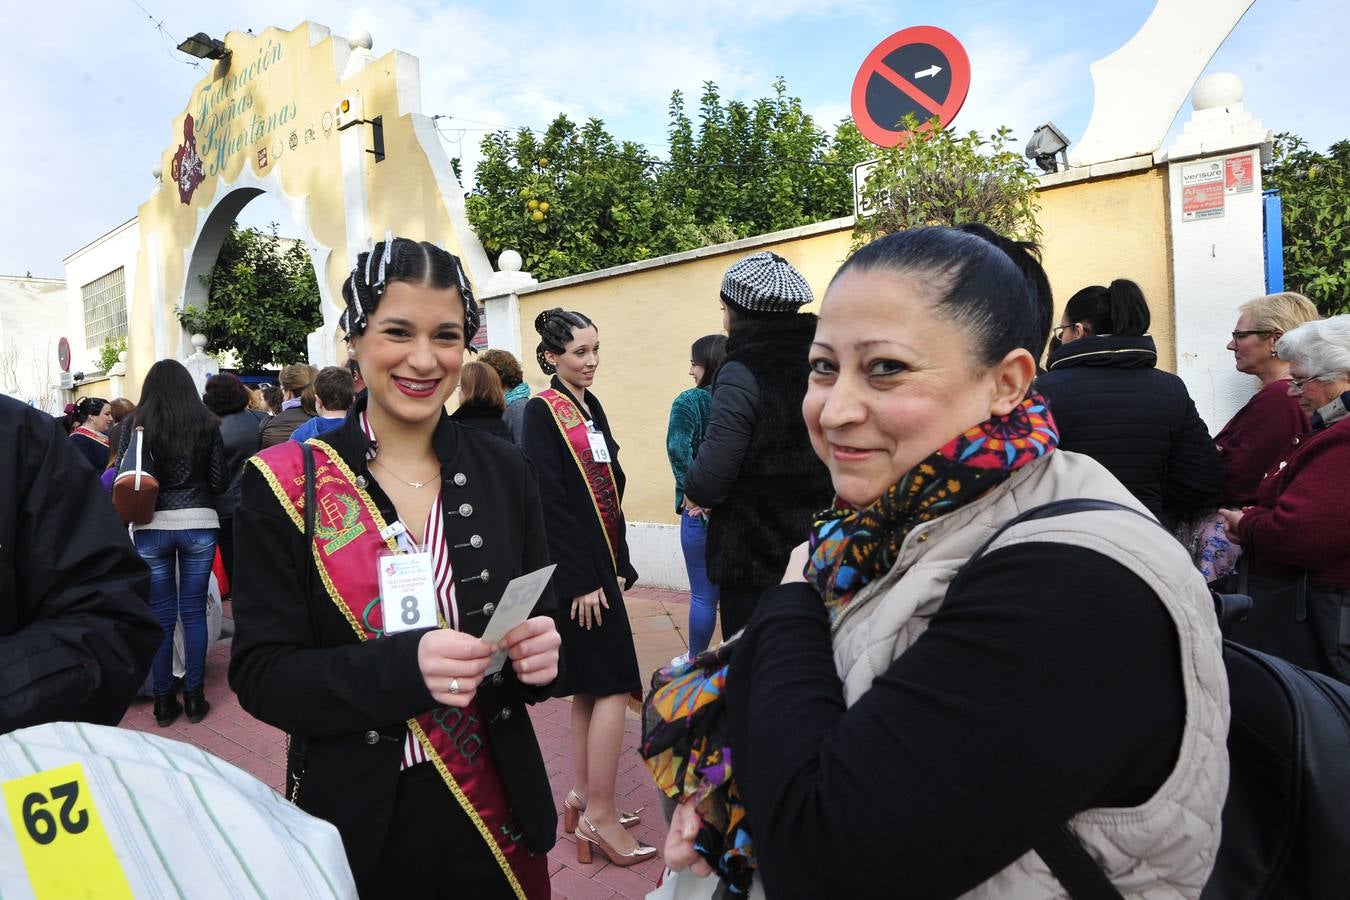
(660, 620)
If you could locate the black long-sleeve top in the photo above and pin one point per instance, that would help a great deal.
(1048, 685)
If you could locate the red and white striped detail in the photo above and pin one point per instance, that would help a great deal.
(433, 541)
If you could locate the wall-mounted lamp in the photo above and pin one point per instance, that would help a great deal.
(349, 114)
(1047, 142)
(203, 46)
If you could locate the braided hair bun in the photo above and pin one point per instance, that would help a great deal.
(402, 259)
(555, 327)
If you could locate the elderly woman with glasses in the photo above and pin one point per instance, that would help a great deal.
(1300, 523)
(1254, 438)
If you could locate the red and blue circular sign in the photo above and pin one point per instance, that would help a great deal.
(922, 70)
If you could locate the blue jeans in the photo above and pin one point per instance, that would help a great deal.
(186, 554)
(702, 592)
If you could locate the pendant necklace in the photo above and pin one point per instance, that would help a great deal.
(412, 484)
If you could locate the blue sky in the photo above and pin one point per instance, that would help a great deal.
(89, 111)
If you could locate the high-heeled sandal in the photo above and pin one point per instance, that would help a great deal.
(588, 838)
(574, 806)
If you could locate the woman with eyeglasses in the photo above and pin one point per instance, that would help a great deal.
(1254, 438)
(1112, 403)
(1300, 522)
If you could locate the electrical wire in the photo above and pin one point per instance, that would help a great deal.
(171, 47)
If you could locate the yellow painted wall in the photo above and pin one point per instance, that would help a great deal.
(1116, 227)
(301, 84)
(1094, 231)
(647, 320)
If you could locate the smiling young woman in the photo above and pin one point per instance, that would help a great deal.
(568, 438)
(425, 761)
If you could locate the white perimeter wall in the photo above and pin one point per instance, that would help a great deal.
(1218, 264)
(32, 321)
(117, 248)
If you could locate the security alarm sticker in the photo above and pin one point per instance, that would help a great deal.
(1238, 175)
(518, 600)
(407, 591)
(1202, 189)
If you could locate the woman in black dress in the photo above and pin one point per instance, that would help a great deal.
(568, 439)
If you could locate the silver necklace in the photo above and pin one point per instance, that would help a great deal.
(412, 484)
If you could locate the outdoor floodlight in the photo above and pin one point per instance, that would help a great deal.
(203, 46)
(1047, 142)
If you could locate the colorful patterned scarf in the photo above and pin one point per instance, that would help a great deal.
(850, 547)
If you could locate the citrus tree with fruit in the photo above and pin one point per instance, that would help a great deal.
(575, 199)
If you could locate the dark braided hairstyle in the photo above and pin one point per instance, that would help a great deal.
(401, 259)
(555, 327)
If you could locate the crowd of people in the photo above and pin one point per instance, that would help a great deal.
(851, 488)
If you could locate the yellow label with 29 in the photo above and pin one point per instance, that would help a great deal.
(65, 849)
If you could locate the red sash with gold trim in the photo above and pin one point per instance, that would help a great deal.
(91, 434)
(599, 477)
(347, 526)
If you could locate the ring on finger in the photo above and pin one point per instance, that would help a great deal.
(454, 685)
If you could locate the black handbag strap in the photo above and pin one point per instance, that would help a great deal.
(1056, 508)
(309, 518)
(1078, 872)
(297, 748)
(1062, 851)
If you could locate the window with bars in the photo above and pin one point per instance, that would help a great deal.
(105, 308)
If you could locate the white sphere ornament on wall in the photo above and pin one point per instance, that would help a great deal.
(1217, 91)
(360, 38)
(157, 172)
(199, 342)
(122, 356)
(509, 261)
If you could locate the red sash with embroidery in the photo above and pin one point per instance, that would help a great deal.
(347, 526)
(599, 477)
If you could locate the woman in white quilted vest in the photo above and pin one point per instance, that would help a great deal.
(899, 729)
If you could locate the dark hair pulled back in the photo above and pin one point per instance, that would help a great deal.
(401, 259)
(993, 287)
(555, 327)
(1119, 309)
(87, 408)
(709, 351)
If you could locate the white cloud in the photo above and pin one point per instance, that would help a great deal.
(1015, 84)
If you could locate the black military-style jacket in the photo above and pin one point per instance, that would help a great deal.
(297, 663)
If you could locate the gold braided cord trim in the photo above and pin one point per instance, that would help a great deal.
(335, 595)
(613, 559)
(275, 484)
(468, 807)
